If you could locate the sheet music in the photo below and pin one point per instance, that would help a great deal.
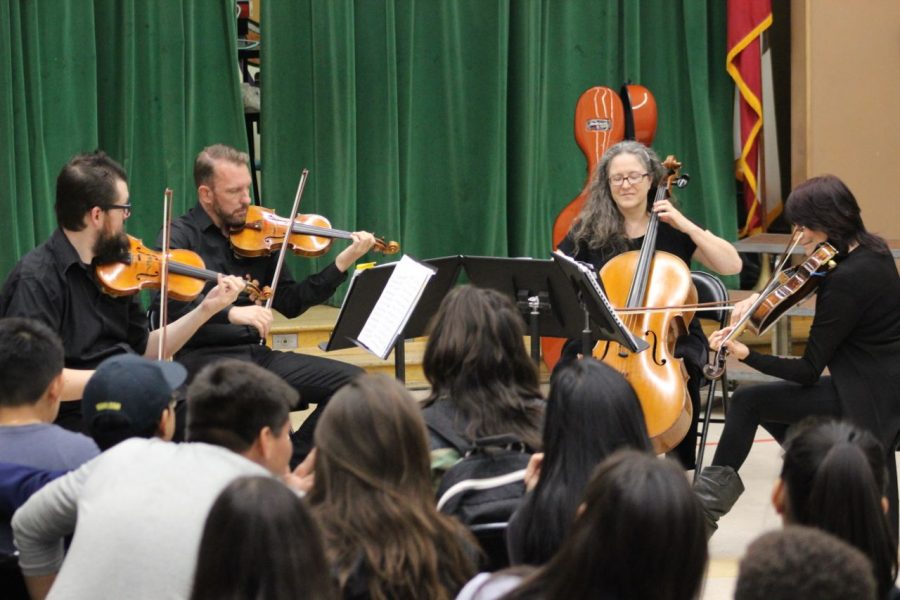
(394, 306)
(588, 273)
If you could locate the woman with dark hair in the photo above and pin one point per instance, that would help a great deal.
(638, 534)
(834, 478)
(855, 334)
(591, 412)
(483, 383)
(373, 498)
(615, 219)
(261, 542)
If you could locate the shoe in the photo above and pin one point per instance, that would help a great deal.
(718, 488)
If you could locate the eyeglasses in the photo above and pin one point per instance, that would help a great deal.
(632, 178)
(125, 208)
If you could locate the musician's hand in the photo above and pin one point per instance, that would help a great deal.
(741, 308)
(363, 241)
(738, 349)
(671, 215)
(253, 315)
(303, 477)
(223, 294)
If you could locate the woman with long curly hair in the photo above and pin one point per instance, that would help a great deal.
(373, 498)
(614, 220)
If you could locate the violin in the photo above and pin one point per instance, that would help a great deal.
(787, 288)
(264, 232)
(638, 279)
(140, 269)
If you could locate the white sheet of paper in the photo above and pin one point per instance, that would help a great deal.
(394, 306)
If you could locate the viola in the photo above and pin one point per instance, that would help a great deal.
(264, 232)
(787, 288)
(141, 268)
(638, 279)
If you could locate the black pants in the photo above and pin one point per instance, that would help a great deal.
(314, 377)
(775, 406)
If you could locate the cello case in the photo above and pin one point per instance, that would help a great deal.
(602, 119)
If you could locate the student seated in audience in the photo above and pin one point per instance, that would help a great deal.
(834, 478)
(373, 498)
(260, 541)
(31, 372)
(639, 534)
(591, 412)
(31, 369)
(140, 506)
(131, 396)
(483, 383)
(803, 562)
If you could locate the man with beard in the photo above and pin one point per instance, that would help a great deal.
(55, 283)
(223, 183)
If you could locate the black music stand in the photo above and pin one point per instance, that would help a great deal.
(364, 293)
(539, 288)
(601, 321)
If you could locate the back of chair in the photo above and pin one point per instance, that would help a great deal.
(710, 289)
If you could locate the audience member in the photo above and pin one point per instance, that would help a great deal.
(373, 498)
(802, 562)
(639, 534)
(834, 478)
(131, 396)
(260, 541)
(591, 412)
(31, 369)
(483, 383)
(140, 507)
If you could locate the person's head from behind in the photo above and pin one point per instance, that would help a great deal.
(834, 478)
(131, 396)
(804, 562)
(639, 534)
(476, 357)
(373, 493)
(31, 365)
(260, 541)
(222, 176)
(244, 408)
(592, 411)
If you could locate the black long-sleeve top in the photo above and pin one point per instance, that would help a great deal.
(52, 285)
(856, 334)
(195, 231)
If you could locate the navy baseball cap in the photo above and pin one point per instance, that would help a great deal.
(136, 388)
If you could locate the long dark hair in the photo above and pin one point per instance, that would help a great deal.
(373, 496)
(591, 412)
(476, 359)
(260, 541)
(826, 204)
(600, 225)
(835, 478)
(640, 535)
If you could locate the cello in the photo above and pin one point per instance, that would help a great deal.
(646, 277)
(602, 119)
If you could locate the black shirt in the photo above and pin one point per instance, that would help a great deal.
(856, 334)
(196, 231)
(52, 285)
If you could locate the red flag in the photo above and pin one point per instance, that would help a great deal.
(747, 19)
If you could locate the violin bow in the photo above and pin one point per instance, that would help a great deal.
(164, 275)
(283, 252)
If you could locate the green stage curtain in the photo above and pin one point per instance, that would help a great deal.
(447, 125)
(151, 83)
